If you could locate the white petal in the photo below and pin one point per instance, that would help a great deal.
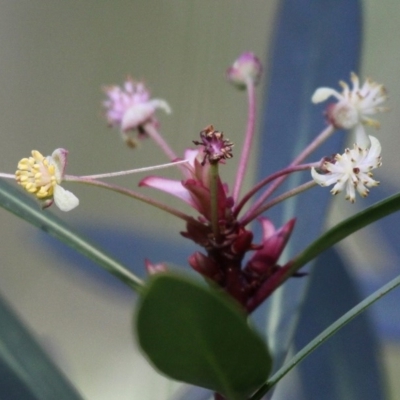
(319, 178)
(375, 149)
(340, 184)
(137, 115)
(59, 160)
(64, 199)
(162, 105)
(362, 139)
(321, 94)
(350, 191)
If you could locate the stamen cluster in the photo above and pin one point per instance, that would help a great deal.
(42, 177)
(351, 170)
(216, 148)
(37, 175)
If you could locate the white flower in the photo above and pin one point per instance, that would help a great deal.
(42, 176)
(351, 170)
(354, 106)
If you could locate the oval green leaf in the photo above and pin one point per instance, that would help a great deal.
(195, 334)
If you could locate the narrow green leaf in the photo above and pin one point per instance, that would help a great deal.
(326, 334)
(26, 370)
(24, 207)
(197, 335)
(338, 370)
(346, 228)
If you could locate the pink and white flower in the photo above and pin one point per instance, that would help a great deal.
(130, 108)
(194, 189)
(247, 68)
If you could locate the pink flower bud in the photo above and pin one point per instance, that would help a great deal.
(247, 68)
(154, 268)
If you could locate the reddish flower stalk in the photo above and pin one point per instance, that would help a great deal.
(267, 180)
(248, 142)
(321, 138)
(225, 240)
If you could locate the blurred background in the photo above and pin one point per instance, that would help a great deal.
(55, 57)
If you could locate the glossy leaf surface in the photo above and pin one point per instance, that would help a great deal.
(197, 335)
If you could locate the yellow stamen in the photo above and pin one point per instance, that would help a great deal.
(36, 175)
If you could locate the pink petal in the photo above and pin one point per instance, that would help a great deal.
(168, 186)
(268, 228)
(154, 268)
(272, 246)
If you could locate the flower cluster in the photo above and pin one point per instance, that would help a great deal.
(352, 170)
(247, 268)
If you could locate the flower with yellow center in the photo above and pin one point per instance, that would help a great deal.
(42, 176)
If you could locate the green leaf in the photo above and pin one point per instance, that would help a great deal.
(200, 336)
(338, 369)
(334, 235)
(347, 227)
(26, 371)
(24, 207)
(325, 335)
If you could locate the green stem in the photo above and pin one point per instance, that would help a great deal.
(325, 335)
(214, 198)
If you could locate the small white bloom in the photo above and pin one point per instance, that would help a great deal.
(354, 106)
(351, 170)
(42, 176)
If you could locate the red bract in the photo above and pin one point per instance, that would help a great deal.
(195, 188)
(232, 258)
(225, 253)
